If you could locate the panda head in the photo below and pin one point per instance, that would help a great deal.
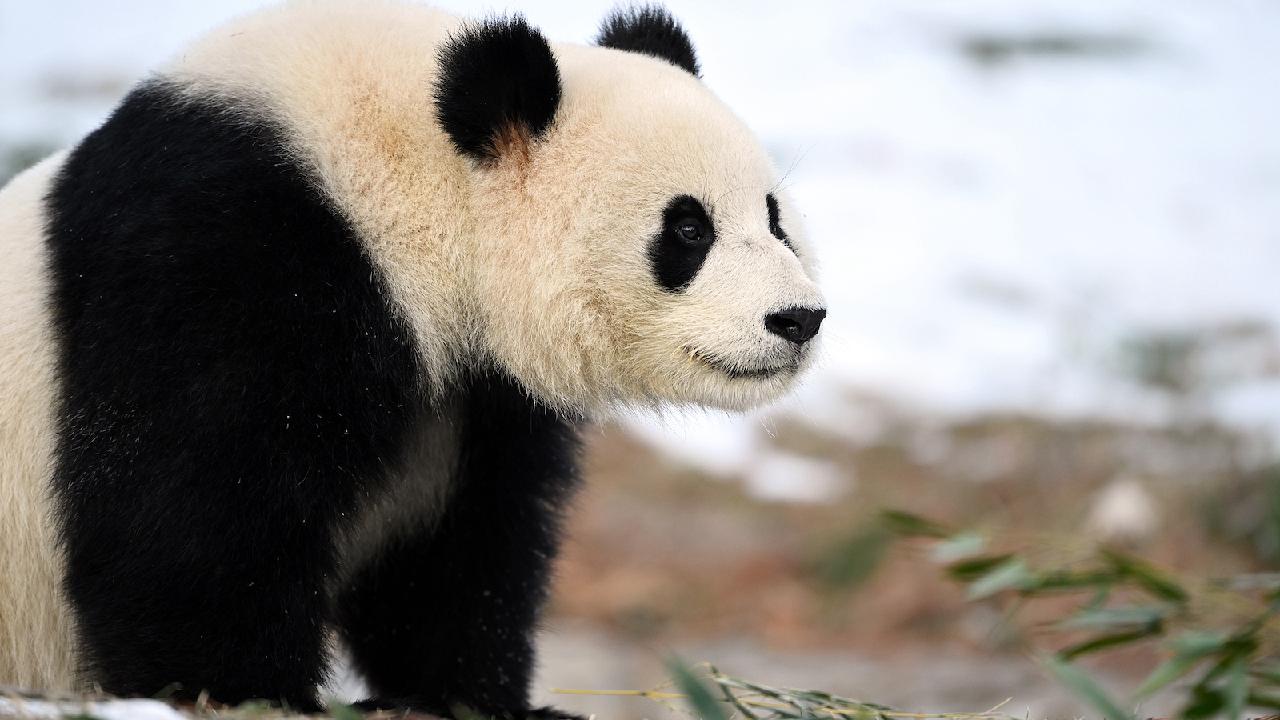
(631, 243)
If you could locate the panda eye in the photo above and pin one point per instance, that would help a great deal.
(684, 239)
(775, 221)
(690, 231)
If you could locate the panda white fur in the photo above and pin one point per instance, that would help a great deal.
(296, 345)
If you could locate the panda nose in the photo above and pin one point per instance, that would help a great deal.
(795, 324)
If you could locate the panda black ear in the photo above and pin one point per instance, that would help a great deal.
(649, 29)
(498, 85)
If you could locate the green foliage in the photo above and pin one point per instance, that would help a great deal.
(1219, 669)
(1225, 670)
(853, 560)
(1184, 362)
(1248, 514)
(1009, 574)
(755, 701)
(909, 525)
(1084, 687)
(257, 709)
(700, 699)
(1167, 361)
(341, 711)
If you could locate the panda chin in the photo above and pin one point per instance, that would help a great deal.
(735, 390)
(736, 372)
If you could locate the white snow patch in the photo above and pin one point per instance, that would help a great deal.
(783, 477)
(101, 710)
(1124, 510)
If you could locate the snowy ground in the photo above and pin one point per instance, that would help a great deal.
(1001, 190)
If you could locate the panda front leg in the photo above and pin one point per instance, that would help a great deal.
(214, 588)
(444, 620)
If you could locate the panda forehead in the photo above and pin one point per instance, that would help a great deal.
(653, 106)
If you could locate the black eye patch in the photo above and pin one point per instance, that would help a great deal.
(680, 247)
(775, 221)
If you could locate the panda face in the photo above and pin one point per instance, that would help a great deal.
(737, 304)
(731, 312)
(651, 256)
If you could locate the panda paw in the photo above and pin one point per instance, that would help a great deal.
(401, 708)
(546, 712)
(412, 708)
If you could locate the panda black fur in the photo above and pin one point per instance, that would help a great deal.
(301, 339)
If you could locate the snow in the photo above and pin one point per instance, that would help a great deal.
(1124, 510)
(988, 232)
(785, 477)
(101, 710)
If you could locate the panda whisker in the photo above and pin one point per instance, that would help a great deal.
(795, 162)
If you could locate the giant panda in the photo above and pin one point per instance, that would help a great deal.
(295, 348)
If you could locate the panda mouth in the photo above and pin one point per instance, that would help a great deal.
(754, 374)
(737, 372)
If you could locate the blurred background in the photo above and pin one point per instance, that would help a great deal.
(1050, 239)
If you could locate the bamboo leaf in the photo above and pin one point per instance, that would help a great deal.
(1237, 647)
(1152, 580)
(1204, 703)
(726, 690)
(343, 711)
(853, 561)
(1237, 689)
(910, 525)
(974, 568)
(1100, 597)
(1012, 574)
(1086, 689)
(1116, 617)
(1268, 674)
(700, 699)
(1199, 643)
(1257, 699)
(1063, 580)
(958, 547)
(1106, 641)
(1165, 673)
